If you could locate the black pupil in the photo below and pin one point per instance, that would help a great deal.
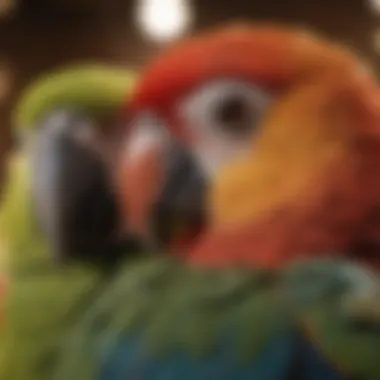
(234, 115)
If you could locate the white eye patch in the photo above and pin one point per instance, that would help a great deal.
(224, 116)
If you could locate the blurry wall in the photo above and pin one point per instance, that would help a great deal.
(38, 35)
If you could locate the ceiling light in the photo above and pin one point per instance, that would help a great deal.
(163, 20)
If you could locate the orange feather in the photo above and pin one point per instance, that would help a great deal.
(311, 183)
(312, 186)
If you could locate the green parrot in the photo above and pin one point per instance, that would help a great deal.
(58, 212)
(67, 123)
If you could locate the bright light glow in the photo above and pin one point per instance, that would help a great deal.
(163, 20)
(6, 7)
(375, 5)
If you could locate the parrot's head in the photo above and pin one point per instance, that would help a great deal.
(67, 123)
(283, 127)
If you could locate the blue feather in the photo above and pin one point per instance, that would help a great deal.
(128, 359)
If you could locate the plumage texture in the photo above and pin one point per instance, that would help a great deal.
(159, 320)
(96, 89)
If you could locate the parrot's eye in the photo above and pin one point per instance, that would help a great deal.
(222, 119)
(229, 107)
(234, 115)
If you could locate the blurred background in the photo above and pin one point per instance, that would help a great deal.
(40, 35)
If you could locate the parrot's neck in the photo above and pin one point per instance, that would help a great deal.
(341, 217)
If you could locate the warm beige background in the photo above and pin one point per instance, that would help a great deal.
(43, 34)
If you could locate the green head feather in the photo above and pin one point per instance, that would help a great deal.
(95, 89)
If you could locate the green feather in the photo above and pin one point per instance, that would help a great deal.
(159, 297)
(100, 91)
(18, 229)
(355, 351)
(41, 296)
(337, 304)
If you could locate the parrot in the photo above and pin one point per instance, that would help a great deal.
(172, 315)
(59, 218)
(65, 124)
(284, 130)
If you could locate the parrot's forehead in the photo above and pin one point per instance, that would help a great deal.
(270, 56)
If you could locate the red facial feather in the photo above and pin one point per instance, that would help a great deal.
(275, 57)
(339, 212)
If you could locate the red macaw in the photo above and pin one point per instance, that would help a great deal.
(285, 128)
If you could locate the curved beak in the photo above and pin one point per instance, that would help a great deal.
(72, 190)
(161, 187)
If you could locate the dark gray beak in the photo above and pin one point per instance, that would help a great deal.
(72, 190)
(181, 204)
